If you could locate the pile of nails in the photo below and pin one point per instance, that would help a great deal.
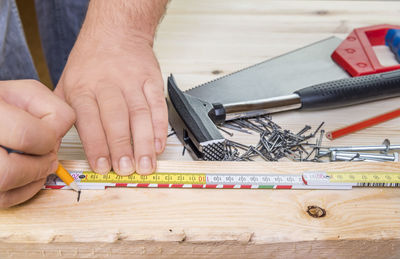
(274, 142)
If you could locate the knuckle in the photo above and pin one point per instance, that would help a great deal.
(120, 141)
(160, 125)
(160, 120)
(139, 110)
(160, 107)
(143, 144)
(95, 148)
(106, 91)
(83, 106)
(78, 96)
(156, 83)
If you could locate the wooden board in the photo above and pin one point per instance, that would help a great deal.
(199, 41)
(178, 222)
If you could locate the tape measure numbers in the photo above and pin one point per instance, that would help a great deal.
(365, 177)
(361, 179)
(158, 178)
(307, 180)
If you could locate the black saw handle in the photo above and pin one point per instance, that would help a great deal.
(350, 91)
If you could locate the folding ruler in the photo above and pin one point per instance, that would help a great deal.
(306, 180)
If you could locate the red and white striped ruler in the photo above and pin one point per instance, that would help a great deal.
(307, 180)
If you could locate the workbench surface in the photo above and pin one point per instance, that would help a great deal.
(199, 41)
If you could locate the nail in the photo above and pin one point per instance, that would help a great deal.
(158, 145)
(125, 166)
(102, 165)
(145, 165)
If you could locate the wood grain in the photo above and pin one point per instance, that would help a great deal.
(199, 41)
(174, 219)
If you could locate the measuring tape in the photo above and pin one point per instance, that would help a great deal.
(307, 180)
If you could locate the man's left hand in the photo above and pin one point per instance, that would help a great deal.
(115, 86)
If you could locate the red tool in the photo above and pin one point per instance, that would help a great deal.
(356, 55)
(363, 124)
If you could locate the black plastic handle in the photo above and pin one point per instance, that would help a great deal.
(350, 91)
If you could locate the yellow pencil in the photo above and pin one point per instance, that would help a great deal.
(67, 178)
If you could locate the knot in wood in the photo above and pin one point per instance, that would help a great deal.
(316, 212)
(216, 72)
(321, 12)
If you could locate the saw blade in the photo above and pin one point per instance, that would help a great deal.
(275, 77)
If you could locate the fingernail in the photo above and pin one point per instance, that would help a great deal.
(158, 145)
(125, 166)
(145, 165)
(102, 165)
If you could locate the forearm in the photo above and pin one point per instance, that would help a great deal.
(124, 18)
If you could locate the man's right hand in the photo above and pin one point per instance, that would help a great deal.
(33, 121)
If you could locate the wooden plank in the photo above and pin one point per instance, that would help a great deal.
(148, 249)
(177, 222)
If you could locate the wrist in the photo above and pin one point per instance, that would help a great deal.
(127, 20)
(92, 40)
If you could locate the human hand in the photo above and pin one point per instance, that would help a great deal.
(33, 122)
(114, 84)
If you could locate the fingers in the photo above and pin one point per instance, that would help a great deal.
(21, 131)
(142, 132)
(33, 122)
(91, 132)
(37, 100)
(18, 170)
(21, 194)
(115, 120)
(154, 93)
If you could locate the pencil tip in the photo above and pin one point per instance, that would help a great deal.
(79, 195)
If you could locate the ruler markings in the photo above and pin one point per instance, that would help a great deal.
(306, 180)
